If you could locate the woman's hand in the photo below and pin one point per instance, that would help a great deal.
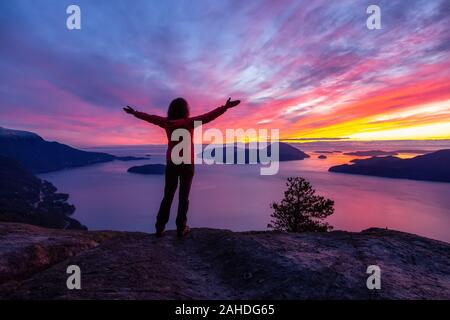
(232, 103)
(129, 110)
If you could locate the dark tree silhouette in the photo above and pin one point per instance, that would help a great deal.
(301, 209)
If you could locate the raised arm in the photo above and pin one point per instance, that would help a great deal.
(153, 119)
(210, 116)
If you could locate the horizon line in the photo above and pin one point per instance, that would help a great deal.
(290, 140)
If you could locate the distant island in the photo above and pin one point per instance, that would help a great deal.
(376, 153)
(148, 169)
(433, 166)
(39, 155)
(328, 151)
(286, 153)
(28, 199)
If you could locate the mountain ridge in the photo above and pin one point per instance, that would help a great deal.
(41, 156)
(434, 166)
(28, 199)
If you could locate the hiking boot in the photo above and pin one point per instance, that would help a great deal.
(159, 233)
(183, 232)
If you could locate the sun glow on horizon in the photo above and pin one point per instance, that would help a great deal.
(435, 131)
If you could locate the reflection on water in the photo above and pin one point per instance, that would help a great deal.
(236, 197)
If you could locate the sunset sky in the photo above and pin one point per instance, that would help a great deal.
(309, 68)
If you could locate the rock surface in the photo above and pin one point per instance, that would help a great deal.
(220, 264)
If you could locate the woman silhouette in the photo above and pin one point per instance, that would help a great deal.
(178, 117)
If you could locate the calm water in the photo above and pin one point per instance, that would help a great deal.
(236, 197)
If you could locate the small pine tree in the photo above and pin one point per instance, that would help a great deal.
(301, 210)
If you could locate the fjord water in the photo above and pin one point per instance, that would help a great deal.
(237, 197)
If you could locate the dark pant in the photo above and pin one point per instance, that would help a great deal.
(184, 172)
